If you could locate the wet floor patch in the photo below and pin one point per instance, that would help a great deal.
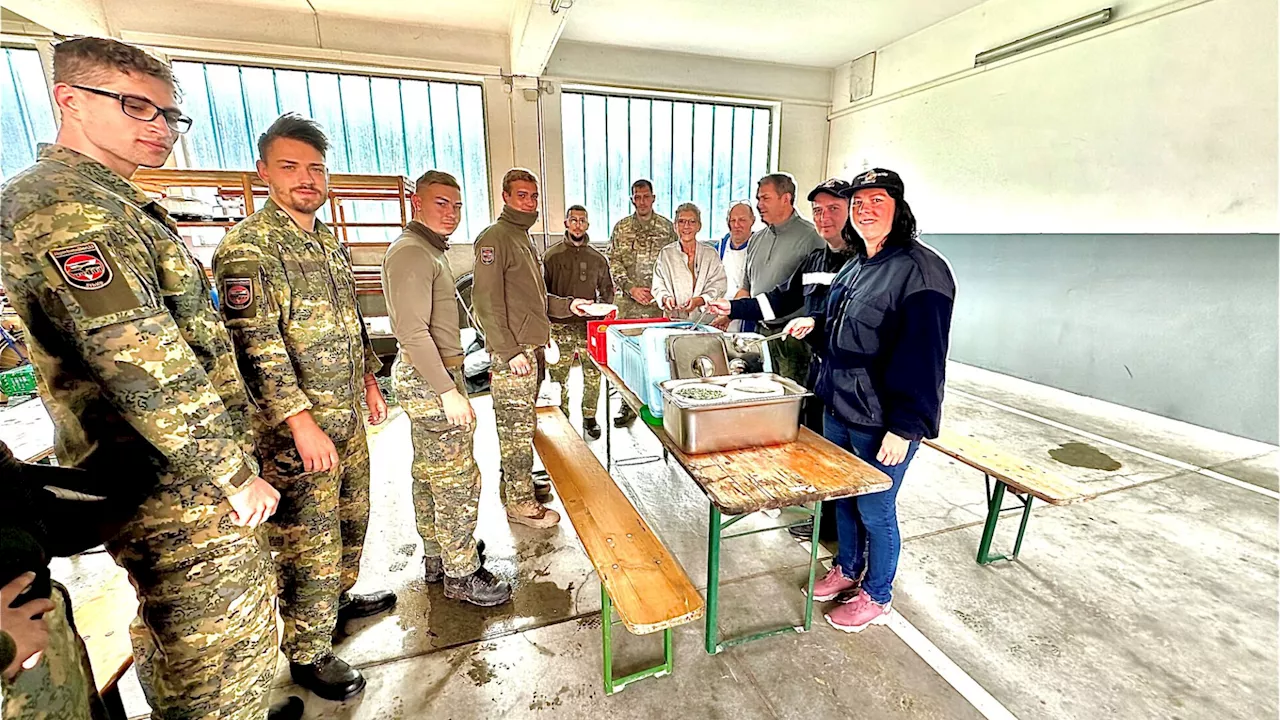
(1082, 455)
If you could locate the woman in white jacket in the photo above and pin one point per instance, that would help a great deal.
(688, 274)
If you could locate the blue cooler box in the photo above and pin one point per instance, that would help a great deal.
(639, 356)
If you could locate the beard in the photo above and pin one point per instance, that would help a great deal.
(306, 203)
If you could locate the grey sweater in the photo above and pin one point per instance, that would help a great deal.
(774, 253)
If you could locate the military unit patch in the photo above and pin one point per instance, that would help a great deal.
(486, 255)
(238, 292)
(83, 266)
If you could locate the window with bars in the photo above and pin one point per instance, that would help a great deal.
(385, 125)
(707, 153)
(26, 112)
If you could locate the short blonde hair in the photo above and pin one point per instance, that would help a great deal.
(515, 175)
(689, 207)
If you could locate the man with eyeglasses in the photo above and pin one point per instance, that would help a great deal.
(289, 299)
(633, 251)
(132, 358)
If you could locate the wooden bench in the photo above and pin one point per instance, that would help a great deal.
(638, 575)
(102, 619)
(1026, 481)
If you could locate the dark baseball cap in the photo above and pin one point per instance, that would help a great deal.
(876, 178)
(831, 186)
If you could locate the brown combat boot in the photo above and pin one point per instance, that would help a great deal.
(534, 514)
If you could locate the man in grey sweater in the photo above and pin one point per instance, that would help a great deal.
(773, 254)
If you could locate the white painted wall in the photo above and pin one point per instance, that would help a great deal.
(1164, 122)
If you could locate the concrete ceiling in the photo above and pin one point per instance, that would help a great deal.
(815, 33)
(487, 16)
(819, 33)
(490, 16)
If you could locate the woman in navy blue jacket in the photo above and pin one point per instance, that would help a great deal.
(884, 337)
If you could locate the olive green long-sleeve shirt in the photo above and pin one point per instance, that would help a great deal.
(419, 288)
(510, 295)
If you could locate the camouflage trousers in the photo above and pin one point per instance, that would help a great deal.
(791, 358)
(205, 639)
(629, 308)
(60, 686)
(318, 534)
(572, 340)
(514, 397)
(446, 480)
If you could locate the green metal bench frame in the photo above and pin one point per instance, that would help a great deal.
(616, 684)
(995, 502)
(713, 576)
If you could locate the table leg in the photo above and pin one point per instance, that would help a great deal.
(813, 565)
(994, 501)
(113, 704)
(606, 630)
(608, 425)
(713, 578)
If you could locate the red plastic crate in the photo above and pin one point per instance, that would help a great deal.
(597, 346)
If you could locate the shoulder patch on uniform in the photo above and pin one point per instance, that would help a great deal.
(238, 292)
(486, 255)
(83, 265)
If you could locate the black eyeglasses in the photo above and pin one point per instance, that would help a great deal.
(140, 108)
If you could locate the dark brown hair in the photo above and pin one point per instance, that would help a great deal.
(294, 127)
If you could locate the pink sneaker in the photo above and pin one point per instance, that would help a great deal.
(858, 614)
(832, 584)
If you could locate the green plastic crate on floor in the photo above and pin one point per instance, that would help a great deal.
(18, 381)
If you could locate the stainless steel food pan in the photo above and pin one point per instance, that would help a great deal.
(715, 426)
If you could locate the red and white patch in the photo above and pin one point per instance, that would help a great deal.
(486, 255)
(238, 292)
(83, 266)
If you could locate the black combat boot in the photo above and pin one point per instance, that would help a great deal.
(435, 565)
(289, 708)
(330, 677)
(591, 428)
(625, 417)
(542, 490)
(353, 605)
(802, 532)
(479, 588)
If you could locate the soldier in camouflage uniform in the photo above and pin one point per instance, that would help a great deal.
(513, 307)
(130, 355)
(428, 379)
(288, 298)
(60, 686)
(573, 268)
(633, 250)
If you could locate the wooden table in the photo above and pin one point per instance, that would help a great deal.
(738, 483)
(102, 619)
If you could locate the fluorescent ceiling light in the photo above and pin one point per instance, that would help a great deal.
(1044, 37)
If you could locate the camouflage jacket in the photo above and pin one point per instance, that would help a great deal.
(128, 348)
(289, 300)
(634, 247)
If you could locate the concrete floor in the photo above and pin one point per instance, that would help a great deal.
(1157, 599)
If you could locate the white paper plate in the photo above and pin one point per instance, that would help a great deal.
(755, 387)
(599, 309)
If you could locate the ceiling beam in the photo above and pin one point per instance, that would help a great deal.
(535, 29)
(65, 17)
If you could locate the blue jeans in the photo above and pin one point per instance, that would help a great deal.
(867, 525)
